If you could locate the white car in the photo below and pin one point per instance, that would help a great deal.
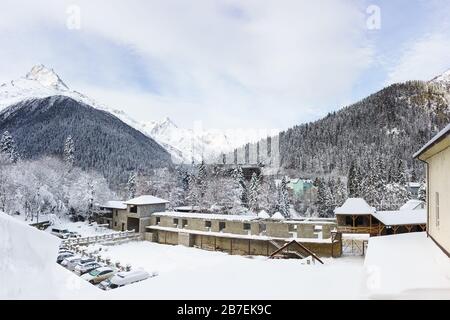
(72, 264)
(124, 278)
(82, 268)
(64, 255)
(60, 232)
(98, 275)
(70, 260)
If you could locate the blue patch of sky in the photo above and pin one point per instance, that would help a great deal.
(402, 22)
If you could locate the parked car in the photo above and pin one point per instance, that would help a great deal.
(98, 275)
(70, 260)
(60, 232)
(71, 266)
(82, 268)
(124, 278)
(73, 234)
(64, 255)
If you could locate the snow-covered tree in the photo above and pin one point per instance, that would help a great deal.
(8, 148)
(253, 192)
(353, 181)
(283, 202)
(131, 185)
(241, 186)
(422, 194)
(69, 152)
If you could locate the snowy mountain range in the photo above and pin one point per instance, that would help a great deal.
(184, 145)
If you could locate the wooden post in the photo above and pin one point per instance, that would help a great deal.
(215, 243)
(248, 246)
(231, 246)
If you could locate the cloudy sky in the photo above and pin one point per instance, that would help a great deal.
(228, 63)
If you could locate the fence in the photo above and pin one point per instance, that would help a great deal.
(110, 237)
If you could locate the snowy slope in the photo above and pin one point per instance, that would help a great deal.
(184, 145)
(443, 80)
(28, 268)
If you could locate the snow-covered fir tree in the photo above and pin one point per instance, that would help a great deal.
(8, 148)
(241, 186)
(422, 194)
(69, 151)
(253, 192)
(283, 202)
(202, 183)
(131, 185)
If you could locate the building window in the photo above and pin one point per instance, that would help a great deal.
(246, 226)
(133, 209)
(175, 221)
(117, 213)
(158, 220)
(262, 228)
(184, 223)
(222, 226)
(208, 224)
(115, 224)
(437, 209)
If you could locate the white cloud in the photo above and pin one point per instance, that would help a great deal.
(423, 59)
(229, 63)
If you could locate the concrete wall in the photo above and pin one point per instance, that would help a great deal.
(439, 182)
(119, 217)
(146, 210)
(236, 246)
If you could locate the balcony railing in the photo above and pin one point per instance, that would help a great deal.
(373, 230)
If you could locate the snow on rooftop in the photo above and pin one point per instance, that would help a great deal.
(146, 199)
(413, 204)
(114, 205)
(208, 216)
(355, 206)
(406, 266)
(278, 216)
(437, 137)
(403, 217)
(263, 215)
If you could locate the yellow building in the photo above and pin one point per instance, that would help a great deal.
(436, 154)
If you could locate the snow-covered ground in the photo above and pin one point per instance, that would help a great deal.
(189, 273)
(84, 229)
(396, 267)
(406, 266)
(27, 265)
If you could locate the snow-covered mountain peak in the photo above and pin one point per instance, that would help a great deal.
(46, 77)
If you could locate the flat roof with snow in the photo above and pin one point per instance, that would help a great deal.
(402, 218)
(355, 206)
(206, 216)
(147, 199)
(114, 205)
(406, 265)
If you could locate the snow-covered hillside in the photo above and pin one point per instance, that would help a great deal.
(183, 144)
(443, 80)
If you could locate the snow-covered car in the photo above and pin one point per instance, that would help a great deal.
(98, 275)
(70, 260)
(82, 268)
(64, 255)
(73, 234)
(60, 232)
(72, 264)
(124, 278)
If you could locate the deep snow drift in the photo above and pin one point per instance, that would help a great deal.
(27, 265)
